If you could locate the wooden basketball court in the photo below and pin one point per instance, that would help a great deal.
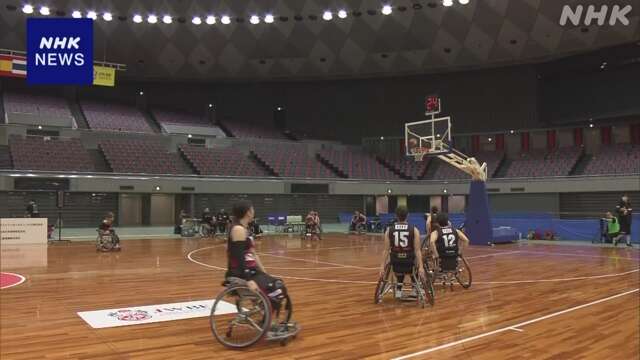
(527, 301)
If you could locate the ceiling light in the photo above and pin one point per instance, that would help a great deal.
(27, 9)
(225, 20)
(196, 20)
(447, 2)
(268, 18)
(342, 14)
(189, 136)
(141, 93)
(210, 20)
(463, 2)
(92, 15)
(44, 10)
(590, 125)
(76, 14)
(511, 132)
(327, 15)
(137, 19)
(152, 19)
(107, 16)
(210, 105)
(167, 19)
(254, 19)
(386, 10)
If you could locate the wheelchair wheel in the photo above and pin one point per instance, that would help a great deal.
(429, 291)
(104, 243)
(463, 275)
(245, 323)
(383, 285)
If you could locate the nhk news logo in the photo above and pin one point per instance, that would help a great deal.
(60, 51)
(604, 15)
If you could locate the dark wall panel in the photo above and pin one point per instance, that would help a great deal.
(327, 205)
(594, 204)
(80, 209)
(548, 203)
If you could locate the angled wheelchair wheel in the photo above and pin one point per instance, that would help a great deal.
(240, 317)
(383, 285)
(429, 291)
(463, 273)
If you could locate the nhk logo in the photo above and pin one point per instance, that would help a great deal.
(60, 51)
(586, 15)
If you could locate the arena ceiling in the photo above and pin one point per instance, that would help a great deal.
(417, 37)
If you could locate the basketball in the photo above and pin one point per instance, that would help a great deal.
(413, 143)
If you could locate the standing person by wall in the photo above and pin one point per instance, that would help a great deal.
(624, 217)
(32, 209)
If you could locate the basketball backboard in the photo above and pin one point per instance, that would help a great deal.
(427, 137)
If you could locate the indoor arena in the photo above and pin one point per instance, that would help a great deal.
(320, 179)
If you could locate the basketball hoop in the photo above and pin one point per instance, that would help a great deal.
(418, 153)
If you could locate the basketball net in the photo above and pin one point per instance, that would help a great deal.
(418, 153)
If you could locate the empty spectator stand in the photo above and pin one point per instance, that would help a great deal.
(37, 109)
(290, 160)
(176, 122)
(535, 163)
(114, 117)
(222, 162)
(49, 154)
(244, 130)
(141, 156)
(354, 163)
(615, 159)
(406, 166)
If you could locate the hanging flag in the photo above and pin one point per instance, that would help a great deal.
(104, 76)
(13, 66)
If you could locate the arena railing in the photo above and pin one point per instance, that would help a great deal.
(144, 176)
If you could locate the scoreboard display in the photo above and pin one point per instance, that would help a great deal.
(432, 104)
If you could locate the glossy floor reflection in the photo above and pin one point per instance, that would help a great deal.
(331, 283)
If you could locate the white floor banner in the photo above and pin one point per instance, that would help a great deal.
(137, 315)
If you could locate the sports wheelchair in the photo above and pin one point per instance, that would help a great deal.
(311, 232)
(358, 228)
(106, 240)
(447, 268)
(424, 292)
(189, 227)
(240, 317)
(207, 230)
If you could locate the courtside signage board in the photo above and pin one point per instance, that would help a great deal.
(138, 315)
(60, 51)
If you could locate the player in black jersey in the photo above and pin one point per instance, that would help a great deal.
(445, 242)
(402, 247)
(244, 263)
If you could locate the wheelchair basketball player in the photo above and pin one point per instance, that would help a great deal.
(445, 244)
(244, 263)
(402, 249)
(105, 229)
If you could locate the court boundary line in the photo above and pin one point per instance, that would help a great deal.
(22, 279)
(512, 327)
(190, 258)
